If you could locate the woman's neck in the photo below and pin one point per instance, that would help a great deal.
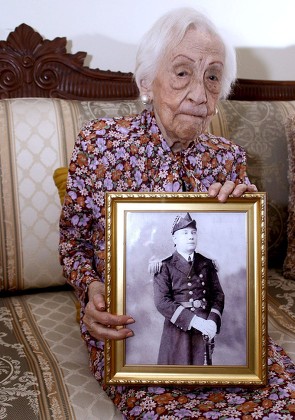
(175, 144)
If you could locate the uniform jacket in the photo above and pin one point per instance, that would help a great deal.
(177, 282)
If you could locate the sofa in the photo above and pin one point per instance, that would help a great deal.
(46, 95)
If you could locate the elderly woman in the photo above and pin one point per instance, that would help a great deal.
(184, 66)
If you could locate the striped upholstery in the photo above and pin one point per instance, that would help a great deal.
(37, 136)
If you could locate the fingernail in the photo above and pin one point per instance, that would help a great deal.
(130, 321)
(130, 334)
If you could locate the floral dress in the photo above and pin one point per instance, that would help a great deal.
(130, 154)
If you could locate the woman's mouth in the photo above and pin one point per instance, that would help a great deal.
(194, 114)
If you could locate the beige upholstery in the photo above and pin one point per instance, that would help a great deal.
(260, 128)
(37, 136)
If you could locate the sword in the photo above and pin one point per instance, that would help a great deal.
(208, 352)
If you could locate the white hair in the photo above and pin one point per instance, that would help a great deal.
(167, 32)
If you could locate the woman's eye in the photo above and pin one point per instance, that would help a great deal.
(182, 71)
(213, 81)
(180, 77)
(214, 78)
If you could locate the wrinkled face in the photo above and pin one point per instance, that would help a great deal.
(187, 87)
(185, 240)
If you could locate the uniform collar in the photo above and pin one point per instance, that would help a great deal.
(185, 256)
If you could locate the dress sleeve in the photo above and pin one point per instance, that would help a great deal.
(82, 219)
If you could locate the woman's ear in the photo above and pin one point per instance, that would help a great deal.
(146, 89)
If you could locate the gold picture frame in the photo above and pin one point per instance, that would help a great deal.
(234, 236)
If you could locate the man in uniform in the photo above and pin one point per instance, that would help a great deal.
(187, 292)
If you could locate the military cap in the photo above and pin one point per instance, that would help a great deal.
(183, 222)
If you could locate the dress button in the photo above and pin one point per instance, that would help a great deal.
(204, 291)
(201, 276)
(190, 292)
(191, 300)
(189, 284)
(203, 284)
(193, 309)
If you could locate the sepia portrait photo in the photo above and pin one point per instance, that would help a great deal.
(171, 298)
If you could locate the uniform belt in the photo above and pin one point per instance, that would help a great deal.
(194, 304)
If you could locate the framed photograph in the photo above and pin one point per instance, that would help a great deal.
(192, 273)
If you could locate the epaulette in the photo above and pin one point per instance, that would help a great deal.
(215, 265)
(167, 258)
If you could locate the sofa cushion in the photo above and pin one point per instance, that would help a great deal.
(37, 136)
(289, 263)
(60, 176)
(44, 362)
(260, 128)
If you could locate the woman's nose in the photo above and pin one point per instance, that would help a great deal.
(197, 91)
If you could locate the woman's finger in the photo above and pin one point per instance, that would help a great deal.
(242, 188)
(110, 326)
(100, 323)
(226, 189)
(105, 318)
(214, 189)
(222, 192)
(101, 332)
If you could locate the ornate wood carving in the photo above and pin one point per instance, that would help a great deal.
(263, 90)
(31, 66)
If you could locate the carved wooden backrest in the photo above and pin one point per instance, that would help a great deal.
(31, 66)
(263, 90)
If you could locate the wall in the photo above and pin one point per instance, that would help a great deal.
(262, 30)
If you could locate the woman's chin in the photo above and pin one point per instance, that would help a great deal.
(189, 134)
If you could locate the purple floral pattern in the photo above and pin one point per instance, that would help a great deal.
(130, 154)
(273, 402)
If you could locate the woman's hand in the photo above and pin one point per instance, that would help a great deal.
(222, 192)
(101, 324)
